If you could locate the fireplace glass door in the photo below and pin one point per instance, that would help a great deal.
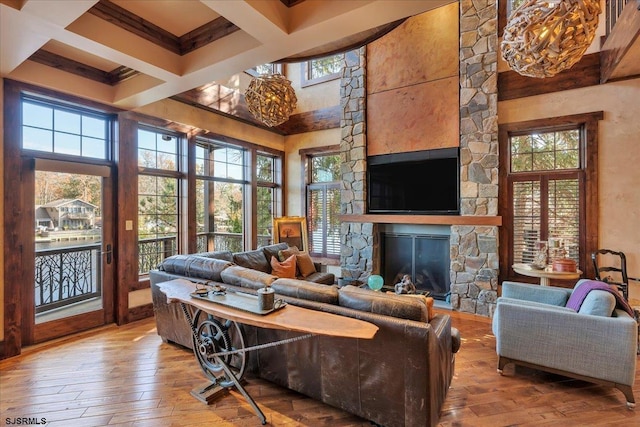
(424, 257)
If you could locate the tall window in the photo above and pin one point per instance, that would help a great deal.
(159, 217)
(220, 196)
(322, 69)
(267, 196)
(549, 191)
(323, 204)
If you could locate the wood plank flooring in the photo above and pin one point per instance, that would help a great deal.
(126, 376)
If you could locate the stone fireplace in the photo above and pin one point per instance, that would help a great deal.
(473, 245)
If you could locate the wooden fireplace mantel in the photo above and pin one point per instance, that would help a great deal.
(425, 219)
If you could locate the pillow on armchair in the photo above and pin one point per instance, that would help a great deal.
(598, 303)
(596, 298)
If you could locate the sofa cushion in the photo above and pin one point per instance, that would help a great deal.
(254, 260)
(303, 289)
(285, 269)
(225, 255)
(320, 277)
(195, 266)
(598, 303)
(272, 250)
(427, 301)
(382, 303)
(246, 277)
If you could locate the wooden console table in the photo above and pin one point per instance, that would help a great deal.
(218, 341)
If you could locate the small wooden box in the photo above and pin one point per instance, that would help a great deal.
(565, 265)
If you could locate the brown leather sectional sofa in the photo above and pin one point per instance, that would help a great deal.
(398, 378)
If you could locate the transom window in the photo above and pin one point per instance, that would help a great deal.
(545, 151)
(63, 130)
(265, 69)
(322, 69)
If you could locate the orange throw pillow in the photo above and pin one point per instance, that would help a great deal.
(305, 264)
(285, 269)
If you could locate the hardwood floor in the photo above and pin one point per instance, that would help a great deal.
(126, 376)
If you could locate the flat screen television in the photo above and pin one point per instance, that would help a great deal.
(420, 183)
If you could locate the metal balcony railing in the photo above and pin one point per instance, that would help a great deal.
(66, 276)
(152, 251)
(613, 11)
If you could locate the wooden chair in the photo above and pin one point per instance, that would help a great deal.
(609, 261)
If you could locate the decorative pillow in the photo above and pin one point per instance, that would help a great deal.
(598, 303)
(305, 264)
(285, 269)
(286, 253)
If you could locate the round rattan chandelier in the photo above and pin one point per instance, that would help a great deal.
(543, 38)
(271, 99)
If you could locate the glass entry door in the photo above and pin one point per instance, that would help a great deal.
(73, 277)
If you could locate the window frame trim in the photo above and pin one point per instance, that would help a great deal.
(588, 123)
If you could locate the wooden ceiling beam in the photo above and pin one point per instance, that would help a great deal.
(83, 70)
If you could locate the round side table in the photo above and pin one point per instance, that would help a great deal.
(545, 275)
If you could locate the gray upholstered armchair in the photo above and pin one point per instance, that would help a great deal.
(533, 327)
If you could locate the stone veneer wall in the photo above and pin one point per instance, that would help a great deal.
(358, 240)
(474, 249)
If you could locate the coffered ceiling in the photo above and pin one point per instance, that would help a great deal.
(130, 53)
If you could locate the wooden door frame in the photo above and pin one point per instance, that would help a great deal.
(19, 187)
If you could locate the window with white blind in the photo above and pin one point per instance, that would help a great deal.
(549, 190)
(545, 180)
(323, 204)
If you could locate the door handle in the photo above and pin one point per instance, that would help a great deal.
(108, 253)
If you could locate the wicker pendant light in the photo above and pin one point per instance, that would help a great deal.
(271, 99)
(543, 38)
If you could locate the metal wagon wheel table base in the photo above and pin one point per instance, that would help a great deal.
(219, 347)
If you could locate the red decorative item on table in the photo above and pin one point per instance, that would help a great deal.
(564, 264)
